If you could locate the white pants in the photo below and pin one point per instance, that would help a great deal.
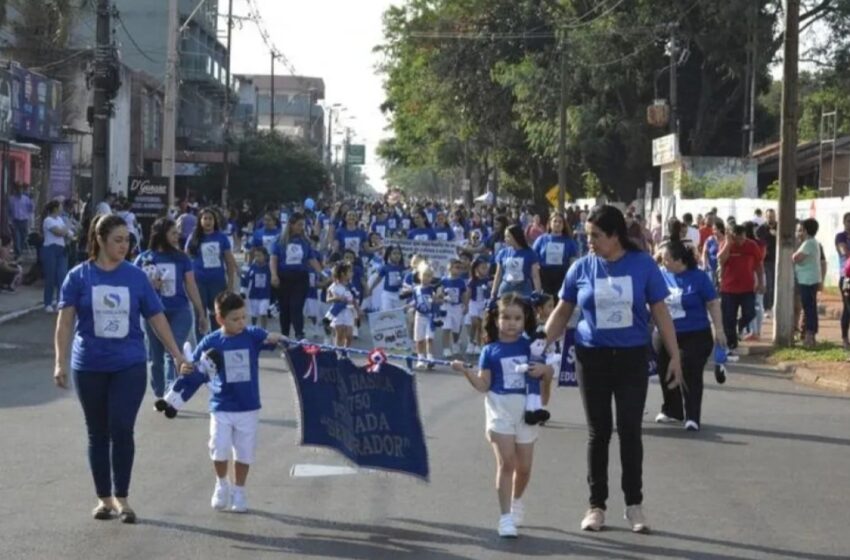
(236, 431)
(258, 307)
(390, 301)
(453, 321)
(422, 329)
(505, 414)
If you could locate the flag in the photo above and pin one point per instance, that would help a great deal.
(371, 418)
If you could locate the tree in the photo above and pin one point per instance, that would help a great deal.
(273, 168)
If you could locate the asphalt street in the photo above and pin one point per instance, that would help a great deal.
(768, 477)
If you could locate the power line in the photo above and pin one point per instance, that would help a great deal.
(132, 40)
(257, 18)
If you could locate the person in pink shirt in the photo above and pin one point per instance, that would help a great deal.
(535, 229)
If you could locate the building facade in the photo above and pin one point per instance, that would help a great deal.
(297, 112)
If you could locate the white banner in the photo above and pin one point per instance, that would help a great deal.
(438, 253)
(389, 330)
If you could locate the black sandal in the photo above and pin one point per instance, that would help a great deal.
(127, 516)
(102, 512)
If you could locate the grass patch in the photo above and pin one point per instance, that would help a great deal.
(822, 352)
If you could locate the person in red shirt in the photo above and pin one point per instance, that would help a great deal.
(742, 276)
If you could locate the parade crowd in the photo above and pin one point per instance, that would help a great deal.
(524, 293)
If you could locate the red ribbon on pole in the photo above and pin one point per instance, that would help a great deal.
(313, 370)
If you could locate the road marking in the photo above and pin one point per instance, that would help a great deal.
(309, 470)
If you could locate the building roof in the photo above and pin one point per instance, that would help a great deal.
(808, 154)
(287, 83)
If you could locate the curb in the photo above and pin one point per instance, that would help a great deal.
(11, 316)
(808, 377)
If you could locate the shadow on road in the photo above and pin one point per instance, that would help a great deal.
(714, 434)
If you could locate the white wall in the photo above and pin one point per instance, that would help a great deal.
(119, 136)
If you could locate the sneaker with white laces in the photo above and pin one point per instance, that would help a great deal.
(691, 426)
(240, 502)
(664, 419)
(221, 495)
(507, 527)
(634, 515)
(594, 520)
(518, 512)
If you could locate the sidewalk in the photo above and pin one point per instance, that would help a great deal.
(24, 300)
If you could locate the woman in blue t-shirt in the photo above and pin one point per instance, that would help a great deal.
(292, 259)
(692, 301)
(442, 230)
(101, 306)
(617, 286)
(517, 266)
(265, 236)
(556, 250)
(170, 272)
(422, 230)
(212, 261)
(349, 236)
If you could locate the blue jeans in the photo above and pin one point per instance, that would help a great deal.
(54, 264)
(209, 289)
(21, 228)
(160, 363)
(111, 401)
(809, 302)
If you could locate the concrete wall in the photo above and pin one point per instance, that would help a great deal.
(725, 167)
(119, 136)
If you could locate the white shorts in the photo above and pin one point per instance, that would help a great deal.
(422, 329)
(312, 310)
(505, 414)
(390, 301)
(476, 309)
(453, 321)
(236, 431)
(344, 319)
(258, 307)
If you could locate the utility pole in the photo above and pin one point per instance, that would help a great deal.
(562, 143)
(783, 332)
(271, 107)
(169, 116)
(227, 112)
(102, 112)
(674, 93)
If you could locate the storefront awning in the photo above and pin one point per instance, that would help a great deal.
(24, 147)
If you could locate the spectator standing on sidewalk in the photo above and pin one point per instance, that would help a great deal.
(807, 274)
(842, 245)
(766, 234)
(54, 256)
(741, 276)
(21, 209)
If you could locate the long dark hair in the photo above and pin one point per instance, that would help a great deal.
(388, 251)
(294, 218)
(159, 236)
(491, 322)
(679, 252)
(100, 229)
(516, 232)
(195, 240)
(567, 230)
(49, 208)
(612, 222)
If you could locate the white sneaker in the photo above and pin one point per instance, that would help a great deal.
(594, 520)
(420, 364)
(518, 512)
(447, 352)
(240, 502)
(470, 348)
(634, 515)
(507, 527)
(49, 309)
(221, 495)
(691, 426)
(664, 419)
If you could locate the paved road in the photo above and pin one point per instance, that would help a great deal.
(769, 477)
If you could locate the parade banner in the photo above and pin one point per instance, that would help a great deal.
(389, 329)
(370, 417)
(567, 375)
(438, 253)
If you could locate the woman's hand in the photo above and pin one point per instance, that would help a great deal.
(203, 323)
(275, 280)
(458, 366)
(674, 374)
(185, 368)
(60, 376)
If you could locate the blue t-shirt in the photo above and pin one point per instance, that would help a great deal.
(711, 248)
(613, 298)
(240, 380)
(259, 281)
(555, 251)
(501, 359)
(295, 256)
(109, 306)
(690, 291)
(444, 233)
(208, 263)
(841, 237)
(422, 234)
(172, 267)
(263, 237)
(453, 289)
(350, 239)
(382, 228)
(393, 276)
(423, 299)
(479, 289)
(516, 268)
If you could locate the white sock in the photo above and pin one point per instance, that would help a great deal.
(222, 480)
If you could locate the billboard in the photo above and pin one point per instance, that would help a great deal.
(36, 105)
(61, 169)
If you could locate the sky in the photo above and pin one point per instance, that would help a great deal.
(330, 39)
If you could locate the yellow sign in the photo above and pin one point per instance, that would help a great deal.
(552, 196)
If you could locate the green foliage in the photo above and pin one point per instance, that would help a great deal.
(822, 352)
(711, 186)
(591, 184)
(803, 193)
(274, 168)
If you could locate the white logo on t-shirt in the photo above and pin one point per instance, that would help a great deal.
(613, 298)
(111, 311)
(513, 269)
(294, 254)
(211, 254)
(237, 366)
(260, 280)
(674, 303)
(168, 276)
(353, 244)
(555, 254)
(511, 377)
